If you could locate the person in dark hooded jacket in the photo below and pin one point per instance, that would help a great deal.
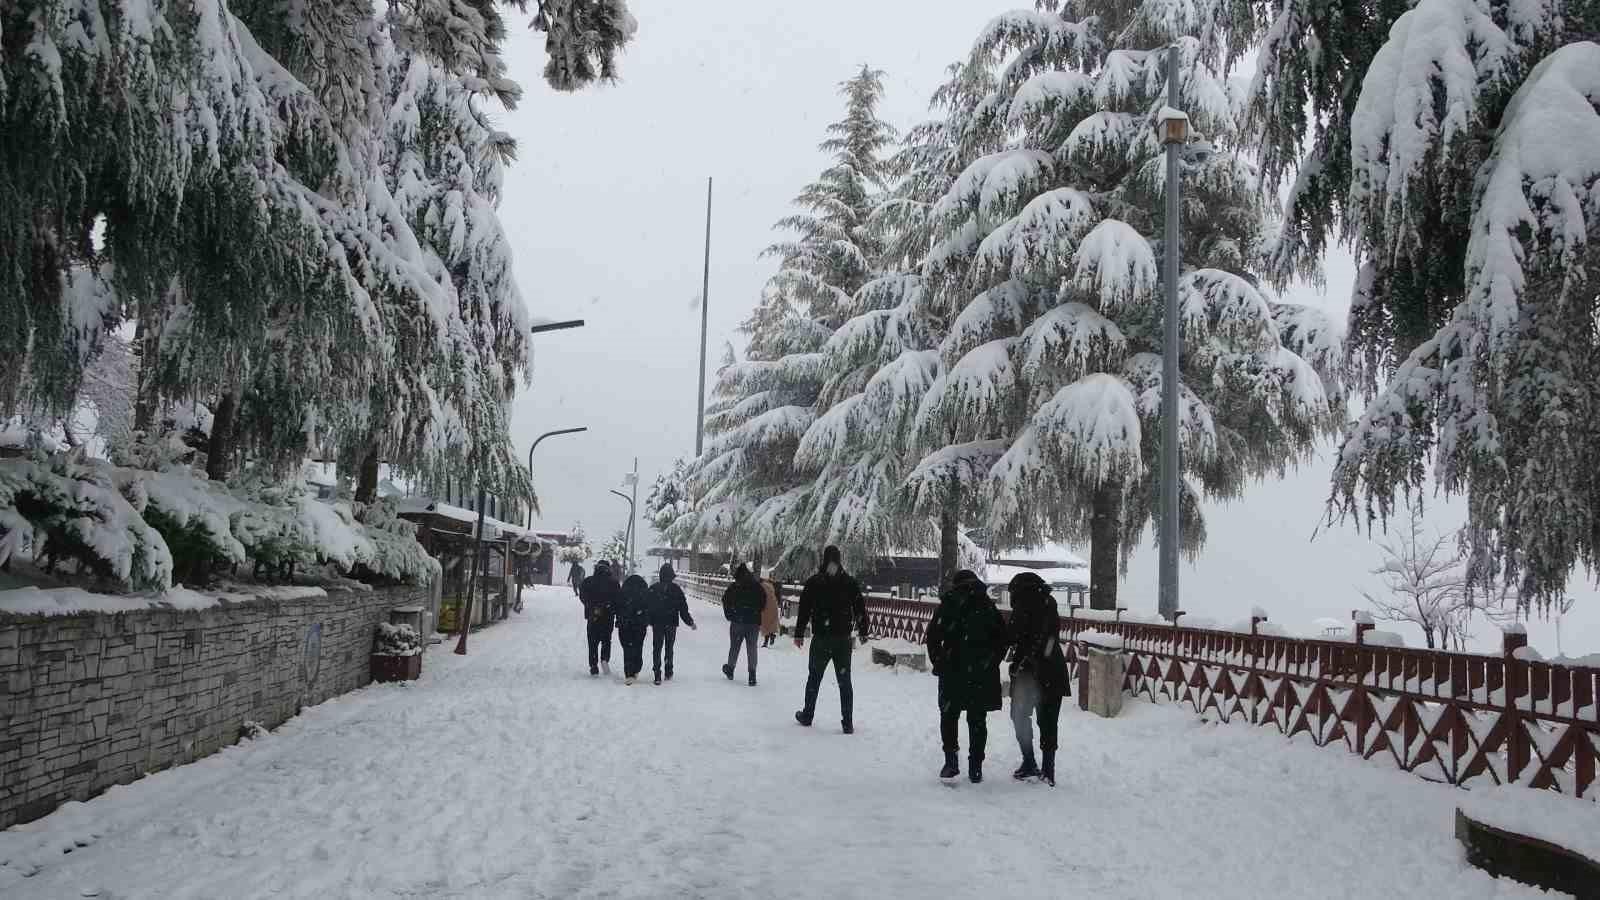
(966, 643)
(742, 603)
(601, 595)
(668, 606)
(832, 601)
(633, 619)
(1038, 673)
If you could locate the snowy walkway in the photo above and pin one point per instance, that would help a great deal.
(510, 773)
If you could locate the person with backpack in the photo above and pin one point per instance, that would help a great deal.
(832, 601)
(668, 606)
(633, 619)
(742, 603)
(966, 641)
(1038, 673)
(601, 596)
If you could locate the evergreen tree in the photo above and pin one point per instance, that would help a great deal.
(750, 482)
(1047, 256)
(1462, 167)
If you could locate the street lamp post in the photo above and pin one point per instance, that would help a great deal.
(629, 536)
(1172, 128)
(530, 464)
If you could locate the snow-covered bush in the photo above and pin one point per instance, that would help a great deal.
(397, 640)
(74, 510)
(396, 555)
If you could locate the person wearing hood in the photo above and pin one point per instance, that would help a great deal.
(742, 603)
(1038, 673)
(575, 576)
(601, 596)
(966, 641)
(633, 619)
(832, 602)
(668, 606)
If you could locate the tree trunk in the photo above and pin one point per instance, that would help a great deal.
(147, 346)
(219, 449)
(949, 545)
(367, 484)
(1105, 531)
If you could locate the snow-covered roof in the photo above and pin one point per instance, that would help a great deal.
(493, 529)
(1057, 577)
(1056, 553)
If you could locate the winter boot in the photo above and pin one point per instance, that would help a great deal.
(848, 726)
(951, 767)
(669, 673)
(658, 677)
(1048, 773)
(1028, 769)
(727, 671)
(752, 679)
(975, 769)
(803, 717)
(629, 680)
(594, 671)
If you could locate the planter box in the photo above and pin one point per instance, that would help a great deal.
(396, 668)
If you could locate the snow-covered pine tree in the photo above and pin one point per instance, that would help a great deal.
(1047, 255)
(751, 483)
(1469, 199)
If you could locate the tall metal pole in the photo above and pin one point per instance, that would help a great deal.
(1170, 474)
(631, 505)
(633, 516)
(705, 312)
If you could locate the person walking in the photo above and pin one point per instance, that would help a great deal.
(742, 603)
(601, 596)
(1038, 673)
(769, 613)
(832, 601)
(575, 576)
(668, 606)
(633, 619)
(966, 643)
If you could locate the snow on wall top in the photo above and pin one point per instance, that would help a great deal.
(67, 601)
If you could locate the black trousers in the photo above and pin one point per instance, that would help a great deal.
(834, 649)
(632, 651)
(599, 643)
(662, 636)
(977, 730)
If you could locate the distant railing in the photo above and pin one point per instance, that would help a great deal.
(1450, 717)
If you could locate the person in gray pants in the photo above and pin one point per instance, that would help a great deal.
(742, 603)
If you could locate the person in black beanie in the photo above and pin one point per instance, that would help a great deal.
(1038, 673)
(668, 606)
(966, 642)
(832, 601)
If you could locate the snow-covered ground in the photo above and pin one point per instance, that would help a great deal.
(511, 773)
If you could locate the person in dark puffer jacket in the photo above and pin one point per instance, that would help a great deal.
(668, 606)
(742, 603)
(601, 595)
(831, 601)
(1038, 673)
(633, 619)
(966, 643)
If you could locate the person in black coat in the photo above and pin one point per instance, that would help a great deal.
(601, 595)
(742, 603)
(832, 601)
(633, 619)
(668, 606)
(1038, 673)
(966, 643)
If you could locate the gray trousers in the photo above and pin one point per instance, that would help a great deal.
(1027, 700)
(749, 635)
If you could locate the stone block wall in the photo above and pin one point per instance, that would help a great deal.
(90, 701)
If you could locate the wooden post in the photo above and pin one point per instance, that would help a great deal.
(1516, 685)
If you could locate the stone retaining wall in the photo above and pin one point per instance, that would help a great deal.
(90, 701)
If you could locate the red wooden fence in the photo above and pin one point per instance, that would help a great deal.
(1450, 717)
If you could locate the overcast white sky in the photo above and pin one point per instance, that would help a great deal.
(606, 206)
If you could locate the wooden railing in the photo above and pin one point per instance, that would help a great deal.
(1452, 717)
